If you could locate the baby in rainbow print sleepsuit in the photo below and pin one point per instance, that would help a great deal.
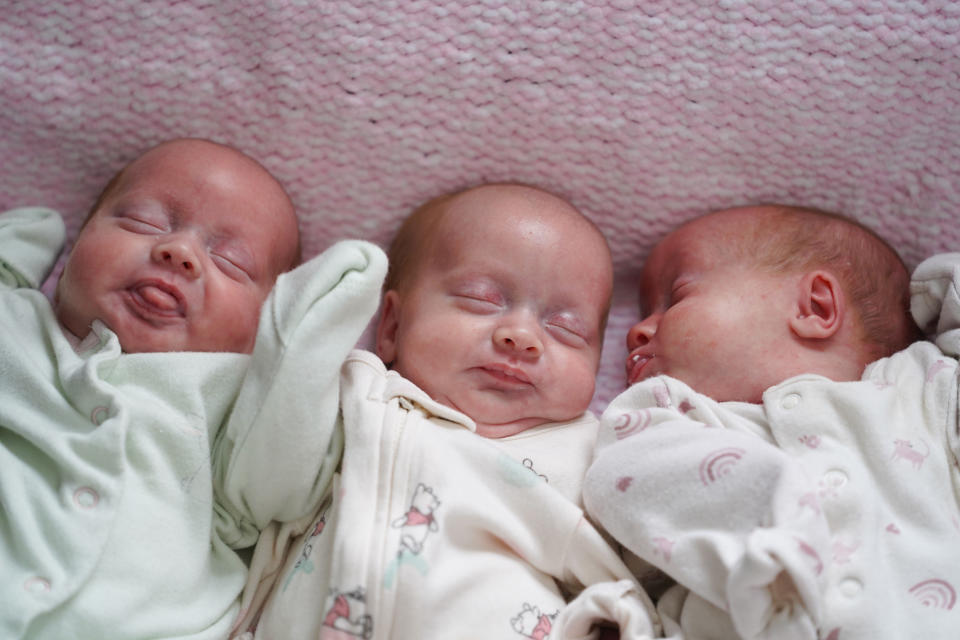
(788, 452)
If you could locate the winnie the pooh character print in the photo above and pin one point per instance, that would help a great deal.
(530, 623)
(346, 617)
(418, 521)
(416, 524)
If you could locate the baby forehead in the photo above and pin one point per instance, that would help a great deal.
(513, 237)
(719, 237)
(667, 256)
(548, 268)
(518, 269)
(497, 224)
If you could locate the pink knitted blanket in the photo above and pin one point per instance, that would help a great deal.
(642, 112)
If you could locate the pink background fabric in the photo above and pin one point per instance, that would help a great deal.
(643, 113)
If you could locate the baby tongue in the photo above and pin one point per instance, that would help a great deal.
(159, 298)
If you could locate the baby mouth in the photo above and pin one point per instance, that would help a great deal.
(635, 365)
(158, 298)
(507, 374)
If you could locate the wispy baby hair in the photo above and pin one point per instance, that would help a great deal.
(874, 277)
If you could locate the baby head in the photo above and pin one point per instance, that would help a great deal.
(495, 304)
(180, 251)
(739, 300)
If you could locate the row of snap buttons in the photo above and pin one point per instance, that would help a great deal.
(85, 498)
(833, 479)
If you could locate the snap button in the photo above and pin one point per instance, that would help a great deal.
(86, 498)
(835, 478)
(790, 400)
(98, 415)
(37, 584)
(851, 587)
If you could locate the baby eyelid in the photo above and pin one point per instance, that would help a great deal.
(568, 324)
(678, 290)
(142, 221)
(484, 294)
(233, 262)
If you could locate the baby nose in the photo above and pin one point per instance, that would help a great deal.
(179, 255)
(519, 339)
(641, 332)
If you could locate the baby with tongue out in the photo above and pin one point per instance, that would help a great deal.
(111, 519)
(180, 251)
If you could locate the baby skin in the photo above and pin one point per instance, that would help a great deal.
(180, 251)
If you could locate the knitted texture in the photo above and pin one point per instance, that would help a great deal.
(644, 113)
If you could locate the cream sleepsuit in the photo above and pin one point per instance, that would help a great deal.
(431, 530)
(422, 529)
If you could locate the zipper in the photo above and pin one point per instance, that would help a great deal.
(394, 493)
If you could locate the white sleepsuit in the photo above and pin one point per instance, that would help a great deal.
(848, 488)
(108, 523)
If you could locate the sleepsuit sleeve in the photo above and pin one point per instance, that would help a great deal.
(30, 242)
(721, 511)
(276, 456)
(935, 304)
(935, 300)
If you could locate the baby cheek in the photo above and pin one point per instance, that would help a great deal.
(692, 337)
(238, 336)
(575, 383)
(239, 320)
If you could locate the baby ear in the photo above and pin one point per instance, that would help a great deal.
(387, 327)
(820, 306)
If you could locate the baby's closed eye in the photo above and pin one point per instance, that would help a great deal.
(146, 222)
(233, 258)
(479, 297)
(232, 267)
(568, 328)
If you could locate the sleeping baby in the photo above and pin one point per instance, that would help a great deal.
(112, 395)
(788, 451)
(447, 480)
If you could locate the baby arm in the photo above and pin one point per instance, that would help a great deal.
(935, 300)
(935, 304)
(276, 455)
(723, 511)
(30, 241)
(613, 605)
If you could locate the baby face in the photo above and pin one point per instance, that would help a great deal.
(504, 320)
(711, 321)
(182, 253)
